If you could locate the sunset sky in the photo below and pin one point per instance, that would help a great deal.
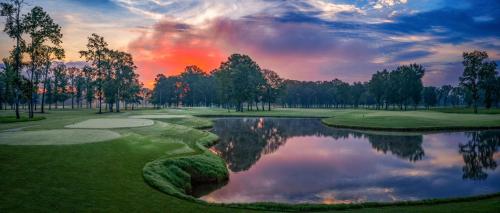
(302, 39)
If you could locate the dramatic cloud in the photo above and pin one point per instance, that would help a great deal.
(303, 39)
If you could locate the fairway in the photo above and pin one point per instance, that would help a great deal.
(111, 123)
(57, 137)
(412, 120)
(158, 116)
(249, 106)
(134, 170)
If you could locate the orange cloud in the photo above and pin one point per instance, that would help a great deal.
(170, 48)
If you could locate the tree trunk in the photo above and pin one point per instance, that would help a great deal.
(118, 101)
(100, 104)
(30, 116)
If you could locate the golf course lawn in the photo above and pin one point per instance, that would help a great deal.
(468, 110)
(413, 120)
(12, 119)
(111, 176)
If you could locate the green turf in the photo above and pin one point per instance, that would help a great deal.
(111, 123)
(108, 177)
(468, 110)
(412, 120)
(57, 137)
(12, 119)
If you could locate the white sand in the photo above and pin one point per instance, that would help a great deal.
(158, 116)
(111, 123)
(57, 137)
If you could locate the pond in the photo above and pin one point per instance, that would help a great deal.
(301, 160)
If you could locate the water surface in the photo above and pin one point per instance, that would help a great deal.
(301, 160)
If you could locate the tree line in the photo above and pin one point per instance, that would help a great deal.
(240, 82)
(33, 75)
(33, 72)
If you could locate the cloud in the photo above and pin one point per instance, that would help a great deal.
(411, 55)
(171, 46)
(379, 4)
(302, 39)
(195, 12)
(294, 50)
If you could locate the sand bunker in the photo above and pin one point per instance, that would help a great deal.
(110, 123)
(159, 116)
(57, 137)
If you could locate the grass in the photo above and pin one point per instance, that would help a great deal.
(12, 119)
(112, 176)
(111, 123)
(56, 137)
(468, 110)
(412, 120)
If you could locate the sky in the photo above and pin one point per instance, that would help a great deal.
(299, 39)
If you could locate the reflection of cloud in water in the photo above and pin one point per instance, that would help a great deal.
(300, 160)
(441, 149)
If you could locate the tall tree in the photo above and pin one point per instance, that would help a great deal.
(240, 79)
(79, 87)
(476, 73)
(41, 29)
(48, 55)
(488, 82)
(9, 77)
(60, 84)
(95, 54)
(11, 9)
(273, 87)
(414, 82)
(192, 78)
(357, 91)
(377, 86)
(430, 96)
(444, 93)
(3, 89)
(87, 73)
(72, 74)
(127, 84)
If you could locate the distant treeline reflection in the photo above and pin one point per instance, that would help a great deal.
(245, 140)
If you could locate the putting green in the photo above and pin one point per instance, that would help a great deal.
(158, 116)
(111, 123)
(57, 137)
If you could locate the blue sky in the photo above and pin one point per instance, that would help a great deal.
(301, 39)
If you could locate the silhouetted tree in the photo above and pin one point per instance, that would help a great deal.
(273, 87)
(444, 93)
(41, 29)
(430, 96)
(477, 74)
(95, 54)
(378, 86)
(11, 10)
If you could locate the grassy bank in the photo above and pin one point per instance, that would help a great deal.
(467, 110)
(412, 120)
(113, 176)
(367, 119)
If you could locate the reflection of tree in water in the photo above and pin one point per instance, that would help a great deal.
(478, 154)
(406, 147)
(243, 141)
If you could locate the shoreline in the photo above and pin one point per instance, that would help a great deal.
(204, 145)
